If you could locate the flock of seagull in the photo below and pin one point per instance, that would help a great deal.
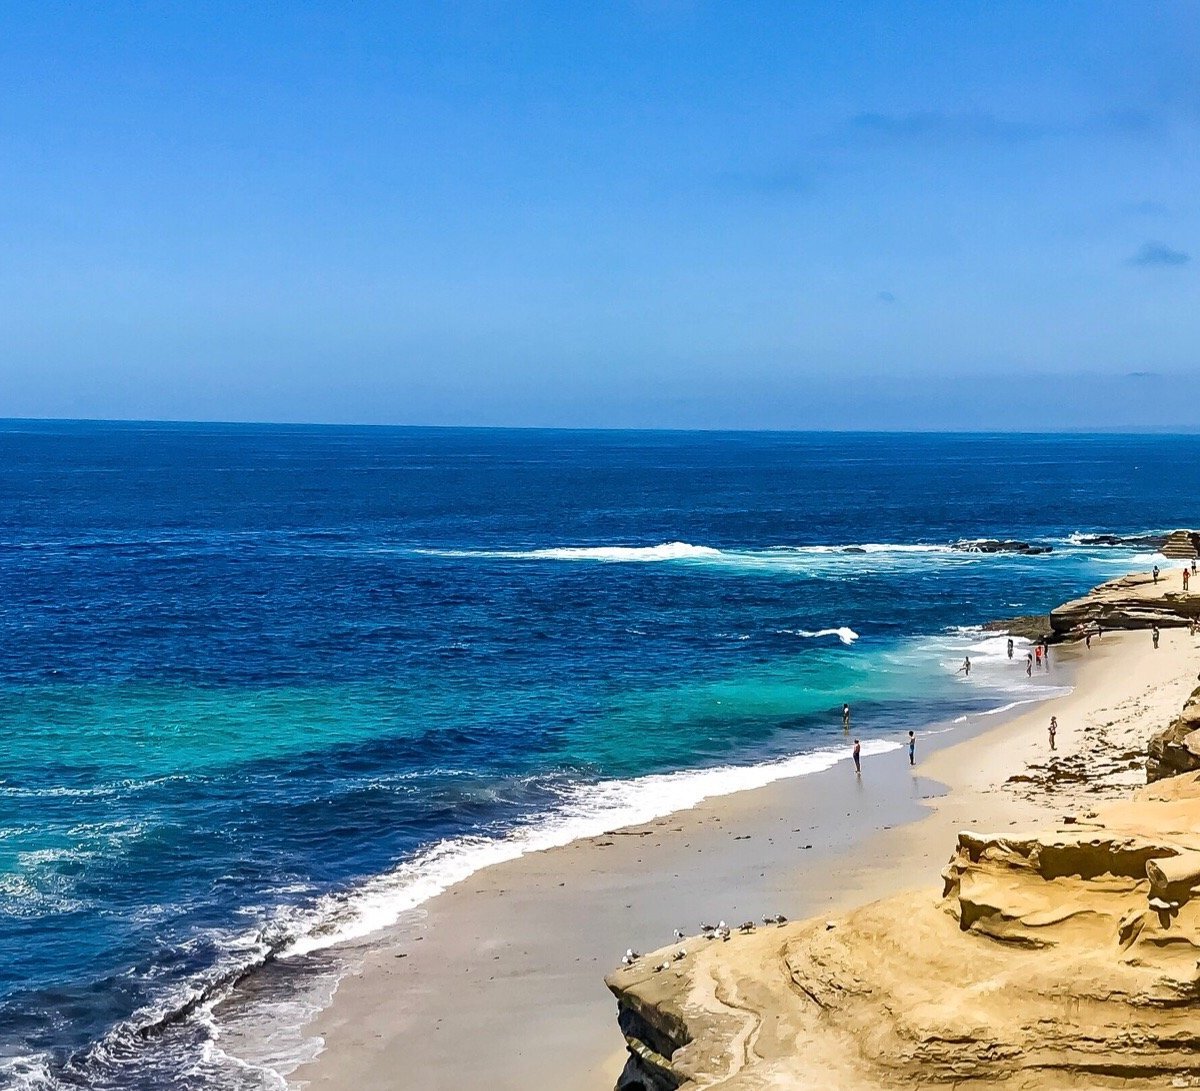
(720, 931)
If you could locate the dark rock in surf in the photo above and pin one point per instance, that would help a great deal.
(1000, 545)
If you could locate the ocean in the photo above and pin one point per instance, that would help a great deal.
(266, 689)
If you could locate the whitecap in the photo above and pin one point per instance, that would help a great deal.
(844, 633)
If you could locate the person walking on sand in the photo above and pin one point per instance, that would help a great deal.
(965, 669)
(1087, 640)
(912, 748)
(1154, 635)
(1053, 731)
(845, 717)
(1010, 647)
(857, 753)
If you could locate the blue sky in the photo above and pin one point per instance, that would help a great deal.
(913, 215)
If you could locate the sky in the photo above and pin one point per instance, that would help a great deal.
(649, 214)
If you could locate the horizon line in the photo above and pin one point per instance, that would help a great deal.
(1115, 430)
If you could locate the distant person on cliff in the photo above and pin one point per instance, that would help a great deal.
(912, 748)
(857, 753)
(845, 717)
(1154, 635)
(965, 669)
(1010, 647)
(1053, 731)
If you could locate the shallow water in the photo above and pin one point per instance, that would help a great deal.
(265, 688)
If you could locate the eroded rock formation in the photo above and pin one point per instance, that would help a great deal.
(1131, 602)
(1067, 957)
(1176, 749)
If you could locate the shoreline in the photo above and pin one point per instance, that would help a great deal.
(489, 962)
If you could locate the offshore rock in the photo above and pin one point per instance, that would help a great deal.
(999, 545)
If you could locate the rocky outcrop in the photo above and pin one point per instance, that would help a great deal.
(1030, 626)
(999, 545)
(1132, 602)
(1176, 749)
(1182, 544)
(1125, 541)
(1064, 958)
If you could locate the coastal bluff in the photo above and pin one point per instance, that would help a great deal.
(1135, 601)
(1061, 952)
(1063, 957)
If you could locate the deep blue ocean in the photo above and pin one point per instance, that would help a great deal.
(267, 688)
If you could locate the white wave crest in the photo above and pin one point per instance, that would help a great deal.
(587, 811)
(844, 633)
(666, 551)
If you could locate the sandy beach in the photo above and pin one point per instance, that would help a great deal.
(499, 981)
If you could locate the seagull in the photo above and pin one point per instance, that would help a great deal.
(709, 927)
(725, 935)
(747, 926)
(631, 956)
(678, 935)
(681, 953)
(662, 966)
(722, 926)
(768, 920)
(780, 918)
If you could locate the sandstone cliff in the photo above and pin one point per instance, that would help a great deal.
(1131, 602)
(1177, 749)
(1064, 957)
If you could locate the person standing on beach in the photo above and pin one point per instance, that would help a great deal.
(857, 752)
(845, 717)
(1010, 647)
(965, 669)
(1154, 635)
(912, 748)
(1053, 731)
(1185, 578)
(1029, 665)
(1156, 573)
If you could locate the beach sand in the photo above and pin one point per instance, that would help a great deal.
(498, 981)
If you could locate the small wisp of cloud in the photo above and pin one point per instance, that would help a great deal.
(1159, 254)
(886, 297)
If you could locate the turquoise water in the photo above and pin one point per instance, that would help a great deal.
(267, 688)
